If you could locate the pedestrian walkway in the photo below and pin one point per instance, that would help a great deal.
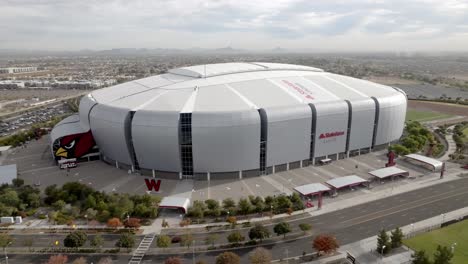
(332, 205)
(139, 253)
(452, 146)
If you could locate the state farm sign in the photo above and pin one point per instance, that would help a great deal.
(331, 134)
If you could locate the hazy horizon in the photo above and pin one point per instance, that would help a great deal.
(320, 26)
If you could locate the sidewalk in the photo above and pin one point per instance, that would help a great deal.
(330, 205)
(451, 145)
(364, 250)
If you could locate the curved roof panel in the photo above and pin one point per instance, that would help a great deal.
(237, 86)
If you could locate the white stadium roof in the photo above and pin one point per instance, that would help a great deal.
(237, 86)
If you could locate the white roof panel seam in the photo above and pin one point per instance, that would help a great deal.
(287, 91)
(190, 103)
(321, 88)
(345, 85)
(150, 101)
(242, 97)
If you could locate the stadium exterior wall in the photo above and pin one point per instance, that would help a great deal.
(226, 135)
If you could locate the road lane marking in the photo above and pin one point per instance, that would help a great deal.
(401, 210)
(402, 205)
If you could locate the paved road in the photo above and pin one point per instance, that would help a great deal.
(350, 224)
(362, 221)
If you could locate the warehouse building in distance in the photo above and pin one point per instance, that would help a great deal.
(232, 120)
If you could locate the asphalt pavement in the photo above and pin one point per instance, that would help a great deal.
(362, 221)
(348, 225)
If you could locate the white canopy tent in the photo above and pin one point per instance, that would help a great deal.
(436, 165)
(311, 189)
(388, 172)
(174, 202)
(346, 181)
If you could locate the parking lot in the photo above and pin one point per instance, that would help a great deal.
(36, 167)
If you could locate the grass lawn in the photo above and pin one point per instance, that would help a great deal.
(422, 116)
(465, 133)
(456, 233)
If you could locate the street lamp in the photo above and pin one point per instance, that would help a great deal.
(6, 255)
(193, 252)
(452, 247)
(383, 247)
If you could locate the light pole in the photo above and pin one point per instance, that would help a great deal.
(383, 247)
(452, 247)
(412, 229)
(6, 255)
(193, 252)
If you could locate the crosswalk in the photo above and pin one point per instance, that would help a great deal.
(139, 253)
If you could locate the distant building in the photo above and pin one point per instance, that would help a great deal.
(18, 69)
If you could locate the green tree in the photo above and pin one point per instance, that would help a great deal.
(396, 238)
(75, 239)
(142, 210)
(212, 204)
(282, 203)
(383, 242)
(59, 205)
(126, 240)
(443, 255)
(420, 257)
(163, 241)
(17, 182)
(229, 204)
(34, 200)
(305, 227)
(227, 258)
(10, 198)
(297, 203)
(97, 241)
(235, 237)
(282, 228)
(5, 240)
(211, 239)
(186, 240)
(244, 206)
(259, 232)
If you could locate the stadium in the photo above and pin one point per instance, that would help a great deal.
(226, 120)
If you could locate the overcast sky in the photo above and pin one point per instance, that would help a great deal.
(321, 25)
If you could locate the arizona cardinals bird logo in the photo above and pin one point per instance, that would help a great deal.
(73, 146)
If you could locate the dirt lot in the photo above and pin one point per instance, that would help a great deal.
(460, 110)
(42, 94)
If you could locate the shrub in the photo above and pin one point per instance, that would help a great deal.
(132, 223)
(75, 239)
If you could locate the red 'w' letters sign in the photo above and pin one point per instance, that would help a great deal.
(153, 185)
